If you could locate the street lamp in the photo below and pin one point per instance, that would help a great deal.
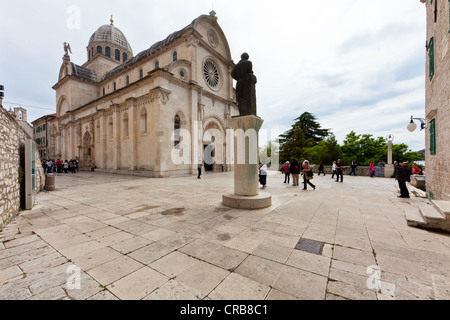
(412, 125)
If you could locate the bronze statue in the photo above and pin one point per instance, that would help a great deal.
(245, 87)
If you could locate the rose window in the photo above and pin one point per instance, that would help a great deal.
(211, 74)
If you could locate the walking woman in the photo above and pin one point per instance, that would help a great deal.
(307, 175)
(372, 169)
(287, 172)
(334, 170)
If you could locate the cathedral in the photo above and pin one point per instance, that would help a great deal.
(155, 114)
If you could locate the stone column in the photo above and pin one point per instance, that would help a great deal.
(246, 166)
(389, 167)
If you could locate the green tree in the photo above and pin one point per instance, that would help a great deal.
(306, 132)
(327, 151)
(364, 148)
(401, 152)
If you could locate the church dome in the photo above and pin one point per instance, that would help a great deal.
(111, 35)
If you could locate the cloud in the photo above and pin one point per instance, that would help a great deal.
(356, 65)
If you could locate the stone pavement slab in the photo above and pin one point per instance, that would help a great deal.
(110, 237)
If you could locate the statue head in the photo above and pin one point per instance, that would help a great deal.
(245, 56)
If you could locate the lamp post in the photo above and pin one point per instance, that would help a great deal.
(389, 167)
(412, 126)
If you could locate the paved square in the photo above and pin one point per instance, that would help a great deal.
(124, 237)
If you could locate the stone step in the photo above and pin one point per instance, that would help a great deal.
(414, 218)
(443, 207)
(430, 213)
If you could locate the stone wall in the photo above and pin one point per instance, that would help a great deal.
(12, 137)
(360, 170)
(438, 101)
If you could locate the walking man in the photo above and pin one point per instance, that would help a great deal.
(199, 169)
(353, 166)
(339, 170)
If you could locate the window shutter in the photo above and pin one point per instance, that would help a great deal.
(431, 58)
(433, 136)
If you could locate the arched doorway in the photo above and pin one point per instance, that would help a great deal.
(213, 145)
(87, 159)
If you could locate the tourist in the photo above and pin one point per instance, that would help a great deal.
(287, 173)
(50, 166)
(353, 166)
(307, 175)
(263, 175)
(199, 169)
(402, 177)
(333, 168)
(415, 170)
(58, 166)
(380, 168)
(72, 166)
(295, 171)
(339, 170)
(372, 169)
(66, 166)
(321, 169)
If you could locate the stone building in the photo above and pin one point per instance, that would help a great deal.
(20, 114)
(12, 154)
(128, 113)
(437, 111)
(41, 135)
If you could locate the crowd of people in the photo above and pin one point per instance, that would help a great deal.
(60, 166)
(402, 173)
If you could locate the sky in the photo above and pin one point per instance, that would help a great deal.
(356, 65)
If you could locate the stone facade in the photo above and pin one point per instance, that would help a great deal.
(41, 136)
(12, 136)
(121, 114)
(437, 84)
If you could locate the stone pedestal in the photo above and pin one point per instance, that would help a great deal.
(246, 166)
(388, 170)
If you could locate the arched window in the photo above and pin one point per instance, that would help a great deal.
(108, 52)
(125, 125)
(177, 127)
(104, 91)
(100, 49)
(175, 56)
(128, 80)
(115, 86)
(117, 55)
(124, 57)
(143, 121)
(156, 64)
(141, 74)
